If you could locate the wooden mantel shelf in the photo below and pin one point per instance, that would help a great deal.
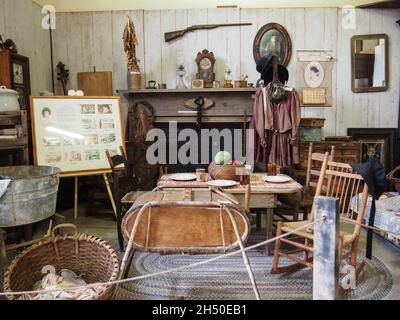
(169, 104)
(206, 90)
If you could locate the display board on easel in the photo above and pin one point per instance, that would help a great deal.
(73, 134)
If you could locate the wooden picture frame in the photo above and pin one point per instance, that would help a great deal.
(388, 135)
(285, 53)
(93, 126)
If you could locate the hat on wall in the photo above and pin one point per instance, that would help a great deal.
(265, 67)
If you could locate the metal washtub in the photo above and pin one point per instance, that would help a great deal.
(31, 196)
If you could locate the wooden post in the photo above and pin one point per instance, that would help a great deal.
(76, 197)
(326, 244)
(110, 194)
(3, 257)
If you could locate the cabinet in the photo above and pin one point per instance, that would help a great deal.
(346, 151)
(14, 74)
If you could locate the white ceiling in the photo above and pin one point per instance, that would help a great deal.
(104, 5)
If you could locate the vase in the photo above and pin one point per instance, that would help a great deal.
(134, 80)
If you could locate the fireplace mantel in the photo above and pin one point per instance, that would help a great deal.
(229, 104)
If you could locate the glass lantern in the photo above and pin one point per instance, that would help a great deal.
(181, 72)
(228, 77)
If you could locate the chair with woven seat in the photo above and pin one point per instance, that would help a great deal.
(336, 180)
(294, 204)
(123, 188)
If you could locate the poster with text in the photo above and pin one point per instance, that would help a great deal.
(73, 134)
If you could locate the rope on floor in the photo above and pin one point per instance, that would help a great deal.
(150, 275)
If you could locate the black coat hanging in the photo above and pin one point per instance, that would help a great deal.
(374, 176)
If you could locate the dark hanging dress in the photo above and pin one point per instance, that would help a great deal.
(276, 126)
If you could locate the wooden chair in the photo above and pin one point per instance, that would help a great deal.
(122, 182)
(314, 165)
(297, 203)
(335, 180)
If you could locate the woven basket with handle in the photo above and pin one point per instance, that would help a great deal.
(391, 177)
(85, 255)
(223, 172)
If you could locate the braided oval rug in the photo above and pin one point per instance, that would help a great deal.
(227, 279)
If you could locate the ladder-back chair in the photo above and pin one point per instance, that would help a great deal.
(314, 164)
(294, 204)
(122, 182)
(336, 180)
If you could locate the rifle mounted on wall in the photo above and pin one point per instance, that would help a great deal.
(169, 36)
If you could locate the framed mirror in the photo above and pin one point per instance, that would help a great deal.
(273, 39)
(369, 63)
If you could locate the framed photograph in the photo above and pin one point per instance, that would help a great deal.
(379, 142)
(73, 133)
(197, 84)
(273, 39)
(216, 85)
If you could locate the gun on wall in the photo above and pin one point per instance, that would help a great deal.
(169, 36)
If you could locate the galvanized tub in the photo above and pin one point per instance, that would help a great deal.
(31, 195)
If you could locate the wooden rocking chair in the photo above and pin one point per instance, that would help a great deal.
(336, 180)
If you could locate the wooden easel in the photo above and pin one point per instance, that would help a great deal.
(76, 189)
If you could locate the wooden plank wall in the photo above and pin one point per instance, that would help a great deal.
(20, 20)
(83, 40)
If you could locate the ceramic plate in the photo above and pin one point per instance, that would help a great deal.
(222, 183)
(277, 179)
(183, 177)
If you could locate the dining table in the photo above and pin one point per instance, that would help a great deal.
(263, 194)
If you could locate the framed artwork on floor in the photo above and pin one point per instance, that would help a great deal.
(377, 142)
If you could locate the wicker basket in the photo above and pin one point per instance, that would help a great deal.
(223, 172)
(87, 255)
(396, 181)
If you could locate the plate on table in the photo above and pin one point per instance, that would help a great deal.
(277, 179)
(222, 183)
(183, 177)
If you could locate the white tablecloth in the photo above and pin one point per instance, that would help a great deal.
(387, 214)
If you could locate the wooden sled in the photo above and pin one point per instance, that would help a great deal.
(185, 221)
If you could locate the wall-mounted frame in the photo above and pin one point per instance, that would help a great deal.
(73, 133)
(369, 63)
(314, 77)
(273, 39)
(373, 138)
